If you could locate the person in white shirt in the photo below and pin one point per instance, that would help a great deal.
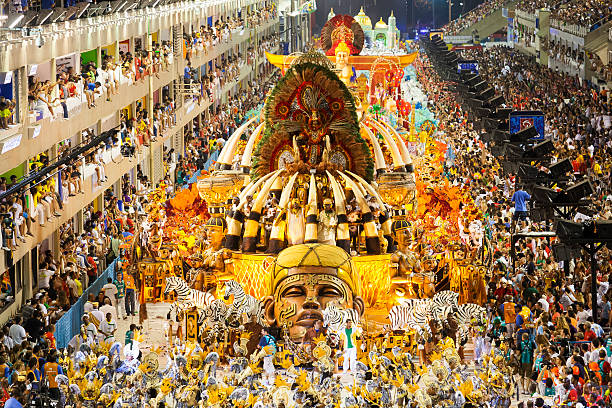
(544, 302)
(97, 315)
(7, 341)
(110, 290)
(597, 329)
(89, 305)
(108, 308)
(17, 332)
(43, 277)
(566, 300)
(90, 329)
(108, 327)
(582, 314)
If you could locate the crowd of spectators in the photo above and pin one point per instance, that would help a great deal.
(473, 16)
(200, 41)
(44, 201)
(72, 90)
(28, 354)
(539, 308)
(27, 342)
(565, 53)
(584, 13)
(83, 256)
(206, 139)
(600, 69)
(587, 13)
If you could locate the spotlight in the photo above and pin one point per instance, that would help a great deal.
(567, 230)
(29, 19)
(14, 20)
(466, 76)
(500, 136)
(560, 169)
(487, 93)
(490, 124)
(566, 253)
(509, 167)
(544, 195)
(58, 15)
(579, 191)
(117, 5)
(502, 113)
(540, 150)
(527, 172)
(43, 16)
(81, 8)
(474, 80)
(497, 101)
(483, 112)
(480, 86)
(513, 152)
(475, 103)
(573, 194)
(524, 135)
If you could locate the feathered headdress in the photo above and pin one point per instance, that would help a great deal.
(342, 28)
(310, 92)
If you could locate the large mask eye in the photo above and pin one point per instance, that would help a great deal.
(294, 291)
(329, 291)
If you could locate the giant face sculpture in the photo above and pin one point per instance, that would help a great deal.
(305, 279)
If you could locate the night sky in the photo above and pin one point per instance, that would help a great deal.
(382, 8)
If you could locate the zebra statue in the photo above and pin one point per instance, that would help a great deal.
(414, 314)
(471, 314)
(243, 302)
(444, 303)
(186, 298)
(468, 316)
(335, 318)
(215, 312)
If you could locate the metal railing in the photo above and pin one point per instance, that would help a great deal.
(69, 324)
(87, 24)
(575, 29)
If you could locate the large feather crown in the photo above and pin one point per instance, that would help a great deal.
(311, 98)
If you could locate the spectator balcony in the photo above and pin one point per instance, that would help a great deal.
(32, 136)
(18, 50)
(570, 30)
(114, 171)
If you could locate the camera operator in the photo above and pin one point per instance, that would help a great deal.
(34, 375)
(18, 397)
(51, 370)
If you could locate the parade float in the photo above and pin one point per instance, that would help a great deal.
(328, 204)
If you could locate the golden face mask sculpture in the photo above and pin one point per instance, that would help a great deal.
(304, 279)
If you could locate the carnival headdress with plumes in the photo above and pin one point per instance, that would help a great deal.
(311, 98)
(342, 28)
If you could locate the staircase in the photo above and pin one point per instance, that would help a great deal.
(596, 40)
(490, 24)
